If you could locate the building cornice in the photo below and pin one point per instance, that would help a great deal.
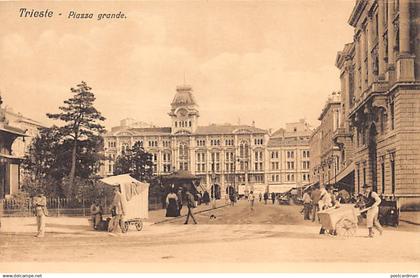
(357, 12)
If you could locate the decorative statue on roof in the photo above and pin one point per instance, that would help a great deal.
(2, 114)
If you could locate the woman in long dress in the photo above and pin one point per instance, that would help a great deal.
(172, 205)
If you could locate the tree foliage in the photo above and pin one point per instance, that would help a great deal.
(59, 154)
(81, 132)
(136, 162)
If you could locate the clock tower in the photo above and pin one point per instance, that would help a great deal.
(184, 111)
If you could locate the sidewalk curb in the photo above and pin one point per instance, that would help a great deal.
(174, 218)
(410, 222)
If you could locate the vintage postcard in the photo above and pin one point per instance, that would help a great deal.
(210, 136)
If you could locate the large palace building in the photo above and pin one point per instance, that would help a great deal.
(376, 139)
(220, 154)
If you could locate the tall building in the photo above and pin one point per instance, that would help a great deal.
(16, 133)
(331, 159)
(288, 156)
(380, 86)
(225, 154)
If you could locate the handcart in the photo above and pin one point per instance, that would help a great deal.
(342, 220)
(135, 200)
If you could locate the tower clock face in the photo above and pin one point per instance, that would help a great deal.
(182, 113)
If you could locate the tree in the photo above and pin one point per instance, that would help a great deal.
(82, 127)
(42, 163)
(135, 161)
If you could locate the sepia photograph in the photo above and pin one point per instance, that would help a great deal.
(208, 136)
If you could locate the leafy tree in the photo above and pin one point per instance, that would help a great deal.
(135, 161)
(81, 131)
(42, 163)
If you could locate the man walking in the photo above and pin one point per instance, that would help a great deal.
(307, 204)
(40, 203)
(372, 207)
(315, 196)
(273, 197)
(190, 206)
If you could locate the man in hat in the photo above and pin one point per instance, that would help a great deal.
(40, 204)
(372, 209)
(117, 210)
(190, 206)
(307, 204)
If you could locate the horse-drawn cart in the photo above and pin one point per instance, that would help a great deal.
(342, 220)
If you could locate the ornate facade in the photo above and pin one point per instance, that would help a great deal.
(237, 155)
(380, 84)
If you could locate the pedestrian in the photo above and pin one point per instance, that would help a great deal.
(206, 198)
(96, 214)
(265, 197)
(326, 201)
(190, 206)
(307, 204)
(251, 199)
(172, 204)
(260, 197)
(273, 197)
(117, 211)
(180, 200)
(41, 211)
(315, 196)
(372, 208)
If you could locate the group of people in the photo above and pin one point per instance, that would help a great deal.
(267, 196)
(321, 198)
(175, 201)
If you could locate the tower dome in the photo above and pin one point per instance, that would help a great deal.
(184, 111)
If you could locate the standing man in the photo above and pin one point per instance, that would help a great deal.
(117, 210)
(372, 207)
(265, 197)
(40, 204)
(273, 197)
(260, 197)
(315, 196)
(251, 199)
(307, 204)
(190, 206)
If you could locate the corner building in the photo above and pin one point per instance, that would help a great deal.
(380, 84)
(221, 154)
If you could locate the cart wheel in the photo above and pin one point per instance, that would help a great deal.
(346, 227)
(139, 225)
(124, 226)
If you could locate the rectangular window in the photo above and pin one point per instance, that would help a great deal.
(383, 176)
(393, 176)
(364, 176)
(392, 108)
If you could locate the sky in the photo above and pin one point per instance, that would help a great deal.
(271, 62)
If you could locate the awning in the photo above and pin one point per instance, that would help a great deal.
(280, 188)
(342, 174)
(8, 156)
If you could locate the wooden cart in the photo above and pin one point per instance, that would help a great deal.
(135, 200)
(342, 219)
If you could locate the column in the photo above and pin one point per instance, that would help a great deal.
(404, 26)
(363, 51)
(356, 70)
(381, 42)
(370, 61)
(405, 62)
(391, 35)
